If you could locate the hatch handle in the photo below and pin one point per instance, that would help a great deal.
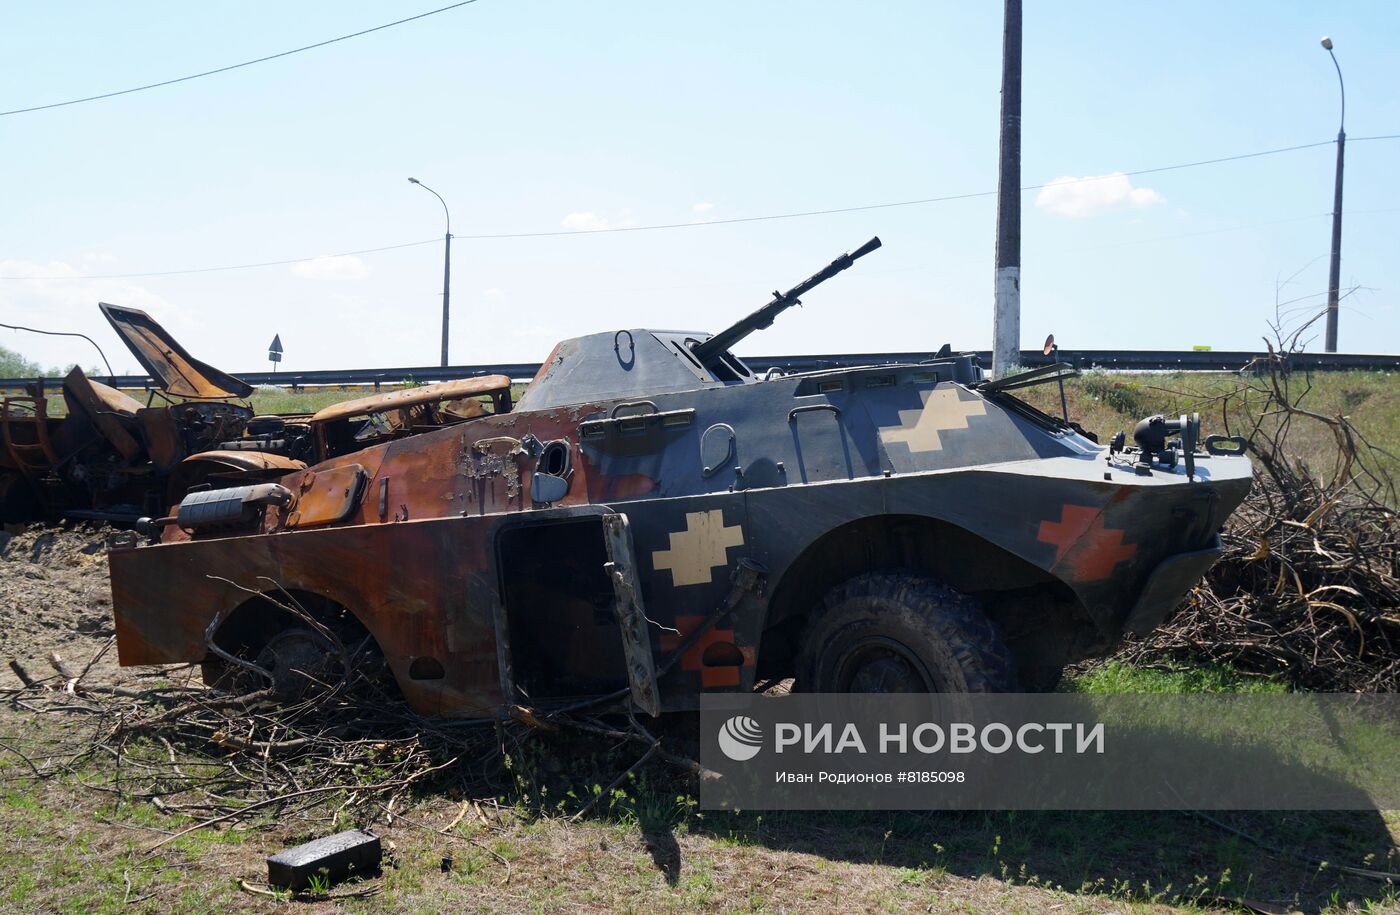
(634, 403)
(811, 407)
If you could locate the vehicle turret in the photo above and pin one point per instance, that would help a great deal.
(609, 365)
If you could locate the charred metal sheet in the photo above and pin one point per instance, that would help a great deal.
(334, 858)
(198, 468)
(110, 411)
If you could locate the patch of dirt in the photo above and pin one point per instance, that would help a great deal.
(54, 596)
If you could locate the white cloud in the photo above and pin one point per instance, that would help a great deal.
(1081, 197)
(60, 299)
(702, 208)
(492, 293)
(589, 221)
(341, 267)
(584, 222)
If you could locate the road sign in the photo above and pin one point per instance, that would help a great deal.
(274, 349)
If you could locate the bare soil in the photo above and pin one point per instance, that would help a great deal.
(54, 597)
(70, 843)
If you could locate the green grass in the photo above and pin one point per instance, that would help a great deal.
(1114, 677)
(647, 847)
(283, 401)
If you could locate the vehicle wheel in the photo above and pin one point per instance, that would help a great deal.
(300, 661)
(901, 633)
(297, 658)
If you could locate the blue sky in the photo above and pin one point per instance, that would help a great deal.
(540, 115)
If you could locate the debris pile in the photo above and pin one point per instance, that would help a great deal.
(1308, 588)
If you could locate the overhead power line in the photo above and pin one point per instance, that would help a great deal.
(246, 63)
(64, 333)
(711, 222)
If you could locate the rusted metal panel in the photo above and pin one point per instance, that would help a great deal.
(174, 369)
(108, 409)
(421, 588)
(328, 496)
(28, 444)
(428, 393)
(162, 434)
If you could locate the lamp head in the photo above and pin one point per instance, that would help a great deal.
(414, 181)
(1326, 42)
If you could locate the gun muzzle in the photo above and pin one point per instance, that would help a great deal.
(866, 248)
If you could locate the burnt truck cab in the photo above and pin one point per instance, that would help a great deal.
(654, 519)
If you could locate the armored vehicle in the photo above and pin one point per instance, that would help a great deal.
(655, 519)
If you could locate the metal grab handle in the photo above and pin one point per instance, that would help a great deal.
(634, 403)
(1213, 443)
(811, 407)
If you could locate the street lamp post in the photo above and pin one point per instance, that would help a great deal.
(1334, 272)
(446, 265)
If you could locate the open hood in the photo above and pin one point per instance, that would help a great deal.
(173, 368)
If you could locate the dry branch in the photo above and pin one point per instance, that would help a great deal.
(1308, 587)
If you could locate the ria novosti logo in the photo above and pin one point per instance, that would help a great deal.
(740, 738)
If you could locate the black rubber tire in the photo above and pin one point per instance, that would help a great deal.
(933, 638)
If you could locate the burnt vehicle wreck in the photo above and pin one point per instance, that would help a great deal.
(654, 519)
(105, 455)
(108, 457)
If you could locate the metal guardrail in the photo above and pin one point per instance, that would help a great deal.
(1121, 360)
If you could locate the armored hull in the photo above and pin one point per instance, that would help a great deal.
(646, 526)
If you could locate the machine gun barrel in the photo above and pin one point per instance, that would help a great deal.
(727, 338)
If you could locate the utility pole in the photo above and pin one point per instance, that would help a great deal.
(1334, 272)
(446, 265)
(1006, 315)
(446, 291)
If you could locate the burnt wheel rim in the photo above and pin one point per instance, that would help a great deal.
(297, 659)
(882, 665)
